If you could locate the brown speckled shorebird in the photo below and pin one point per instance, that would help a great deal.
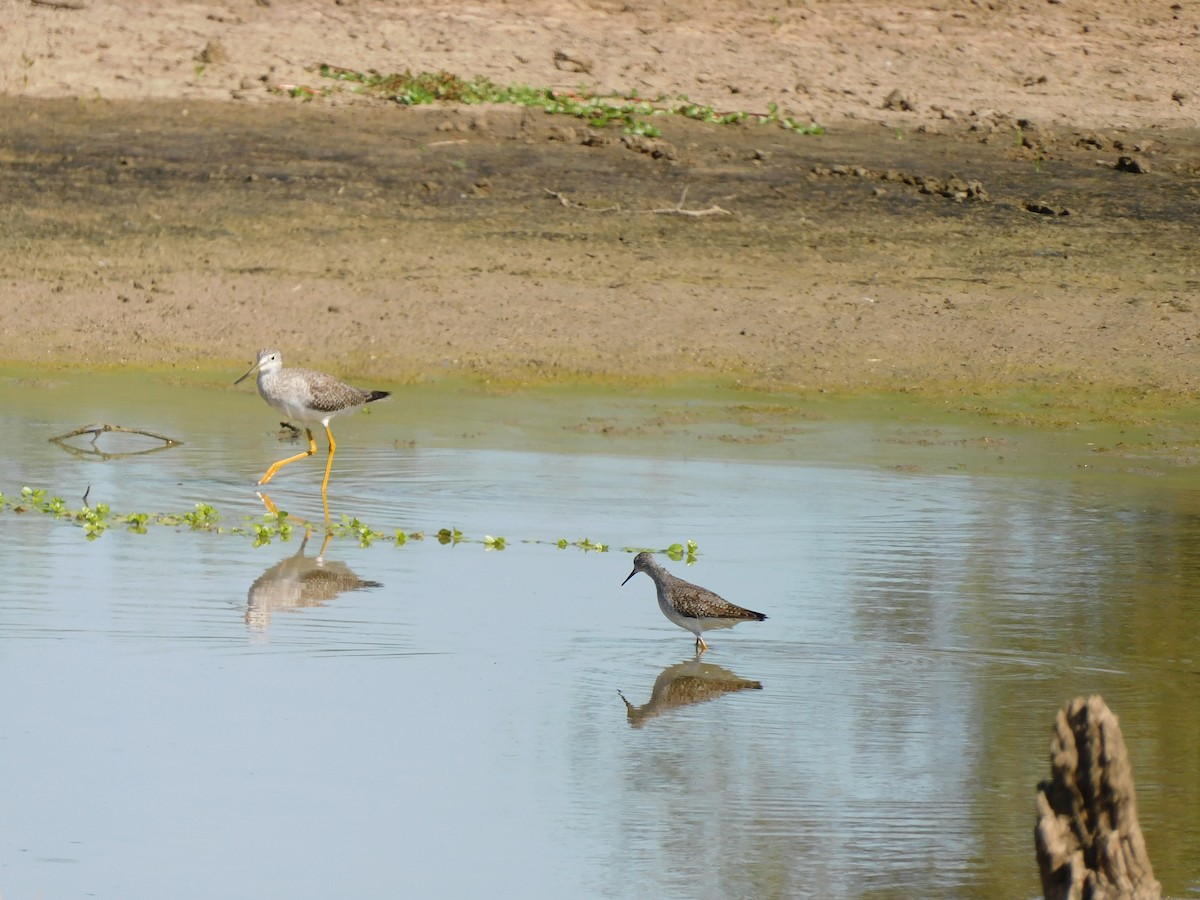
(306, 396)
(688, 605)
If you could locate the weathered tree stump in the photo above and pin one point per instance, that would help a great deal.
(1089, 842)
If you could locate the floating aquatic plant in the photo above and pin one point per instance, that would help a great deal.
(449, 536)
(675, 552)
(203, 517)
(270, 526)
(583, 544)
(360, 531)
(274, 524)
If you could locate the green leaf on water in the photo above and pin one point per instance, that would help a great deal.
(449, 536)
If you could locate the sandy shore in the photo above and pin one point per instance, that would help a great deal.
(1004, 197)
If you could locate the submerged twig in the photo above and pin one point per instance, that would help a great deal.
(96, 430)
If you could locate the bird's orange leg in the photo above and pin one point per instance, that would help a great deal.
(275, 467)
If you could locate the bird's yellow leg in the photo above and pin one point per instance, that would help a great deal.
(700, 645)
(328, 465)
(328, 469)
(275, 467)
(274, 510)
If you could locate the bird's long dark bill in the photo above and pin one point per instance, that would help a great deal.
(253, 369)
(630, 575)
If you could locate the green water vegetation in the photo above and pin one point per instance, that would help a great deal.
(676, 552)
(94, 521)
(584, 544)
(628, 110)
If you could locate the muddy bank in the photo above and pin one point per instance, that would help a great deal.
(508, 244)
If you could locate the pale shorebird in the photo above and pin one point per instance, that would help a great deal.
(688, 605)
(308, 397)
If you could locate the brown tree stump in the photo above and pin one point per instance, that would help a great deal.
(1089, 842)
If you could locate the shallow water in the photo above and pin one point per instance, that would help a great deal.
(189, 715)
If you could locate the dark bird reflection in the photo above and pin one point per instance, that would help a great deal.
(299, 581)
(684, 683)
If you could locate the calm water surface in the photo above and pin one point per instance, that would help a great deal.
(188, 715)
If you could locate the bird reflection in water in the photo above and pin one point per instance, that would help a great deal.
(684, 683)
(299, 581)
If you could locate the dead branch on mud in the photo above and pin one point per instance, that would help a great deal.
(678, 210)
(566, 201)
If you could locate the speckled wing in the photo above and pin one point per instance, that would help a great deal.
(696, 602)
(327, 394)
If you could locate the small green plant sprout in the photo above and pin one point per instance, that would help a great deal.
(203, 517)
(401, 538)
(562, 543)
(409, 88)
(94, 520)
(644, 129)
(262, 534)
(493, 543)
(585, 545)
(31, 498)
(449, 536)
(273, 523)
(360, 531)
(674, 552)
(136, 522)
